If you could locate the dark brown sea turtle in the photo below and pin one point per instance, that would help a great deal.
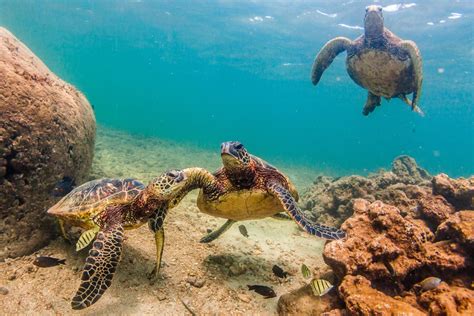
(105, 208)
(378, 61)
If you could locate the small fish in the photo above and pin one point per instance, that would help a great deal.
(320, 287)
(46, 262)
(305, 271)
(429, 283)
(263, 290)
(279, 272)
(63, 187)
(243, 231)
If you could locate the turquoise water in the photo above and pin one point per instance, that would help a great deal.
(203, 72)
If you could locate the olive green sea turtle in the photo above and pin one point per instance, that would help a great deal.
(105, 208)
(378, 61)
(246, 188)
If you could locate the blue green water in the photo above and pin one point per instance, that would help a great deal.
(204, 72)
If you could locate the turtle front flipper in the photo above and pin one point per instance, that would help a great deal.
(100, 265)
(415, 56)
(326, 56)
(290, 206)
(216, 233)
(156, 226)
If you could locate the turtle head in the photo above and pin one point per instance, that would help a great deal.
(373, 21)
(234, 156)
(168, 185)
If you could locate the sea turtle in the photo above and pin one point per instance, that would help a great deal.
(105, 208)
(378, 61)
(246, 188)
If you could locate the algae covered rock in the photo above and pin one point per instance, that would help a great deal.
(47, 132)
(459, 192)
(327, 200)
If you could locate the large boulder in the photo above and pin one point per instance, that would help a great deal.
(47, 132)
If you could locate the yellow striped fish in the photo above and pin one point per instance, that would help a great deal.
(305, 271)
(86, 238)
(320, 287)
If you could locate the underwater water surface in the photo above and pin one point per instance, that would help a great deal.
(203, 72)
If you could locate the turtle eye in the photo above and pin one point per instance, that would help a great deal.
(238, 146)
(380, 9)
(172, 173)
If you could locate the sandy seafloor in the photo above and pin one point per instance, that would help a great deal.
(227, 265)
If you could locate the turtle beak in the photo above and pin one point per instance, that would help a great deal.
(373, 13)
(228, 148)
(373, 22)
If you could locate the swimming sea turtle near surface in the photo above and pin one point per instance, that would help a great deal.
(246, 188)
(378, 61)
(105, 208)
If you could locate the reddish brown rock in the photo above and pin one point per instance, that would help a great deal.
(361, 299)
(459, 192)
(459, 227)
(303, 302)
(386, 247)
(446, 300)
(47, 131)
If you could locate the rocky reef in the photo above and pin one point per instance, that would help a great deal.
(327, 200)
(403, 226)
(47, 132)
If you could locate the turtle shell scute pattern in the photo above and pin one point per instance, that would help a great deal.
(94, 193)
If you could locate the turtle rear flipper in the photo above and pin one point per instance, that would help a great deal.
(100, 265)
(372, 101)
(414, 108)
(218, 232)
(326, 56)
(294, 212)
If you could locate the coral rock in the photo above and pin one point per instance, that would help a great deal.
(386, 247)
(459, 192)
(459, 227)
(381, 243)
(47, 131)
(362, 299)
(446, 300)
(328, 199)
(303, 302)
